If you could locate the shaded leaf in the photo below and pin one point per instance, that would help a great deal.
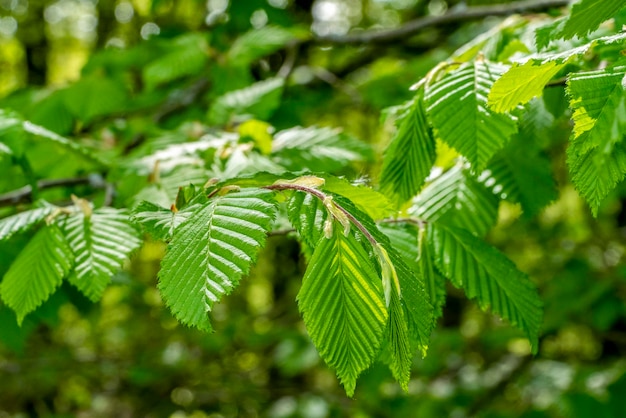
(487, 275)
(36, 272)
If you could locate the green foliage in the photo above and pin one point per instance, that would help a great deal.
(411, 154)
(44, 262)
(342, 303)
(457, 106)
(213, 140)
(100, 241)
(487, 275)
(210, 252)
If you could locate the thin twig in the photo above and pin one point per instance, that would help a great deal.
(25, 194)
(460, 15)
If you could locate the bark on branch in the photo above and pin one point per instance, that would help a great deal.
(461, 15)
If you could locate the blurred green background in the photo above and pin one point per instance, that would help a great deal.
(126, 356)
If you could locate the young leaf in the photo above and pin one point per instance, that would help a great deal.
(95, 96)
(161, 222)
(487, 275)
(411, 244)
(342, 303)
(212, 250)
(23, 221)
(307, 214)
(100, 243)
(36, 272)
(457, 106)
(410, 155)
(368, 200)
(586, 16)
(520, 84)
(457, 198)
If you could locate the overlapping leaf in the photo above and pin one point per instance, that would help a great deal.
(368, 200)
(161, 222)
(521, 174)
(418, 311)
(459, 199)
(100, 242)
(596, 156)
(410, 155)
(23, 221)
(211, 251)
(520, 84)
(487, 275)
(318, 149)
(411, 244)
(258, 43)
(587, 15)
(307, 214)
(457, 106)
(342, 303)
(36, 272)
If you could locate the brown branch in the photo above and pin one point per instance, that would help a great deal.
(24, 194)
(461, 15)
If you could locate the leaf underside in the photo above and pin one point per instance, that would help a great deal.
(100, 243)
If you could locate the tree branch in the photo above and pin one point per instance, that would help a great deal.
(461, 15)
(24, 194)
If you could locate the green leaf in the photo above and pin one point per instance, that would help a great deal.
(317, 149)
(410, 243)
(259, 100)
(47, 135)
(459, 199)
(100, 242)
(95, 96)
(161, 222)
(188, 56)
(596, 156)
(417, 309)
(211, 251)
(457, 106)
(342, 303)
(36, 272)
(398, 342)
(23, 221)
(520, 84)
(410, 155)
(11, 131)
(586, 16)
(368, 200)
(487, 275)
(521, 174)
(307, 214)
(594, 171)
(597, 101)
(258, 43)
